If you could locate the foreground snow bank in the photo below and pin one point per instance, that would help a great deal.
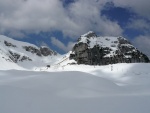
(69, 92)
(121, 74)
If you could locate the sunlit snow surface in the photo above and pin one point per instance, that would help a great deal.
(33, 87)
(119, 88)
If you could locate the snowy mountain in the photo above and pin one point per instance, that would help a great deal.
(23, 54)
(90, 49)
(28, 85)
(95, 50)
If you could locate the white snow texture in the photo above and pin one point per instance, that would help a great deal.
(31, 87)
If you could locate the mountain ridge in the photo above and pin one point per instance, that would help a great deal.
(28, 55)
(23, 53)
(97, 50)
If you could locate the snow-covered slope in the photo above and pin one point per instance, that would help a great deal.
(6, 63)
(71, 92)
(120, 74)
(15, 54)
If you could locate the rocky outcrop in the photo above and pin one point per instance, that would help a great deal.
(93, 50)
(9, 44)
(15, 57)
(33, 50)
(42, 51)
(45, 51)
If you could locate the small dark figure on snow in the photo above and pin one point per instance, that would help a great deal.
(48, 66)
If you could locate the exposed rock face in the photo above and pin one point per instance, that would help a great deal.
(16, 57)
(45, 51)
(32, 50)
(9, 44)
(93, 50)
(42, 51)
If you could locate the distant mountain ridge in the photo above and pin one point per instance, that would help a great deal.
(95, 50)
(20, 52)
(90, 49)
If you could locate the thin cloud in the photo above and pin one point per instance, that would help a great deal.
(143, 43)
(139, 24)
(141, 7)
(61, 45)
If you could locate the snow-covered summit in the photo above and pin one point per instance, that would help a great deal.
(92, 49)
(89, 34)
(91, 39)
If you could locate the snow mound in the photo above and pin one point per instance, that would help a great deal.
(68, 92)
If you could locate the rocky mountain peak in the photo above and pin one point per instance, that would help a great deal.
(92, 49)
(89, 34)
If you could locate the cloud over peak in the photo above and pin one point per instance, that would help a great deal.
(49, 15)
(20, 18)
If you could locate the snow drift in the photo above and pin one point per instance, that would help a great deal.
(68, 92)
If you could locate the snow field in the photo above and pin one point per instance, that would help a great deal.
(69, 92)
